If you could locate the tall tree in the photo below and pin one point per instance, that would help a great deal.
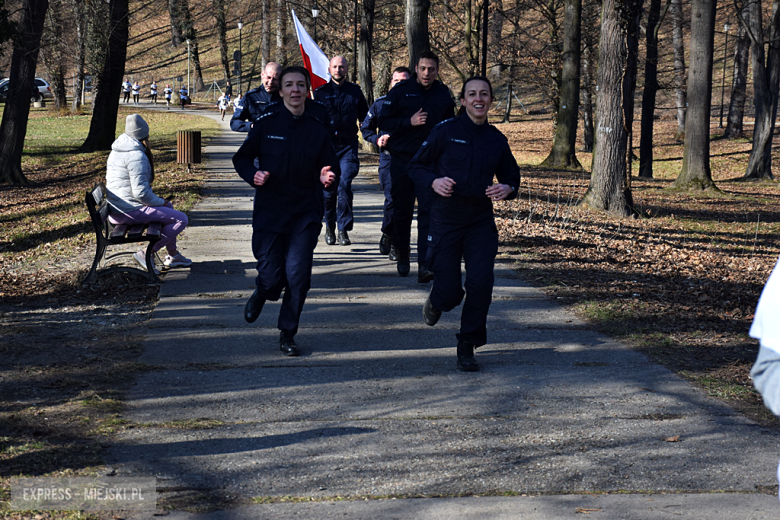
(654, 19)
(17, 107)
(590, 18)
(696, 173)
(610, 188)
(563, 153)
(366, 43)
(105, 106)
(766, 79)
(220, 19)
(175, 14)
(739, 83)
(416, 24)
(54, 52)
(266, 28)
(281, 33)
(79, 14)
(678, 43)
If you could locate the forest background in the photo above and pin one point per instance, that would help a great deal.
(661, 229)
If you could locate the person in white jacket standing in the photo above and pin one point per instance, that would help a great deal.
(129, 177)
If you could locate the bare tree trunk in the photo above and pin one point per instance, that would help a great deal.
(17, 108)
(53, 52)
(679, 66)
(508, 108)
(696, 172)
(105, 107)
(174, 11)
(589, 51)
(221, 25)
(654, 19)
(81, 51)
(416, 24)
(766, 76)
(563, 153)
(266, 30)
(281, 33)
(739, 84)
(609, 190)
(383, 76)
(365, 76)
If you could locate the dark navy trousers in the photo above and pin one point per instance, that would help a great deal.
(404, 192)
(284, 262)
(465, 231)
(338, 203)
(387, 184)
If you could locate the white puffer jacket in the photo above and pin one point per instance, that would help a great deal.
(128, 177)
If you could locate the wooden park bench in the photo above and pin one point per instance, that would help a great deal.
(108, 234)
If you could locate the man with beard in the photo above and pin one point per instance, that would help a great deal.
(410, 112)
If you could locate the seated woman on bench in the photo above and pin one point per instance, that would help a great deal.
(129, 177)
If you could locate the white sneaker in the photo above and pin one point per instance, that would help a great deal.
(140, 259)
(178, 260)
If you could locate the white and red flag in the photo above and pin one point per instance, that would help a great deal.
(314, 59)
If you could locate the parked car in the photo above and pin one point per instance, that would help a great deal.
(43, 87)
(35, 94)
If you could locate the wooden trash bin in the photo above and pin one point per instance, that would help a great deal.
(188, 147)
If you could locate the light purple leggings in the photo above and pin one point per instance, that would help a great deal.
(173, 221)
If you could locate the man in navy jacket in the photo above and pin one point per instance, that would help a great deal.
(410, 112)
(346, 106)
(371, 133)
(257, 100)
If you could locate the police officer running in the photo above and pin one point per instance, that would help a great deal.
(369, 131)
(294, 160)
(457, 163)
(410, 112)
(346, 106)
(256, 101)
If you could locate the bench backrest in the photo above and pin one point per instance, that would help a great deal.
(98, 207)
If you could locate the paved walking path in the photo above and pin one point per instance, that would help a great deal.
(374, 406)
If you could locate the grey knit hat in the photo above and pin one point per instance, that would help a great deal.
(136, 127)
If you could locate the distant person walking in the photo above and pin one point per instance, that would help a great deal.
(153, 92)
(168, 93)
(287, 158)
(129, 178)
(136, 93)
(127, 87)
(228, 88)
(457, 163)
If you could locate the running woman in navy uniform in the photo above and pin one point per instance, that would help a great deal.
(457, 163)
(295, 159)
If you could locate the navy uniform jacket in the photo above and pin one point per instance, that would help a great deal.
(369, 128)
(402, 102)
(346, 106)
(467, 153)
(294, 150)
(255, 103)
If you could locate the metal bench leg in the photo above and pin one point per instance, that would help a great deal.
(150, 274)
(100, 250)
